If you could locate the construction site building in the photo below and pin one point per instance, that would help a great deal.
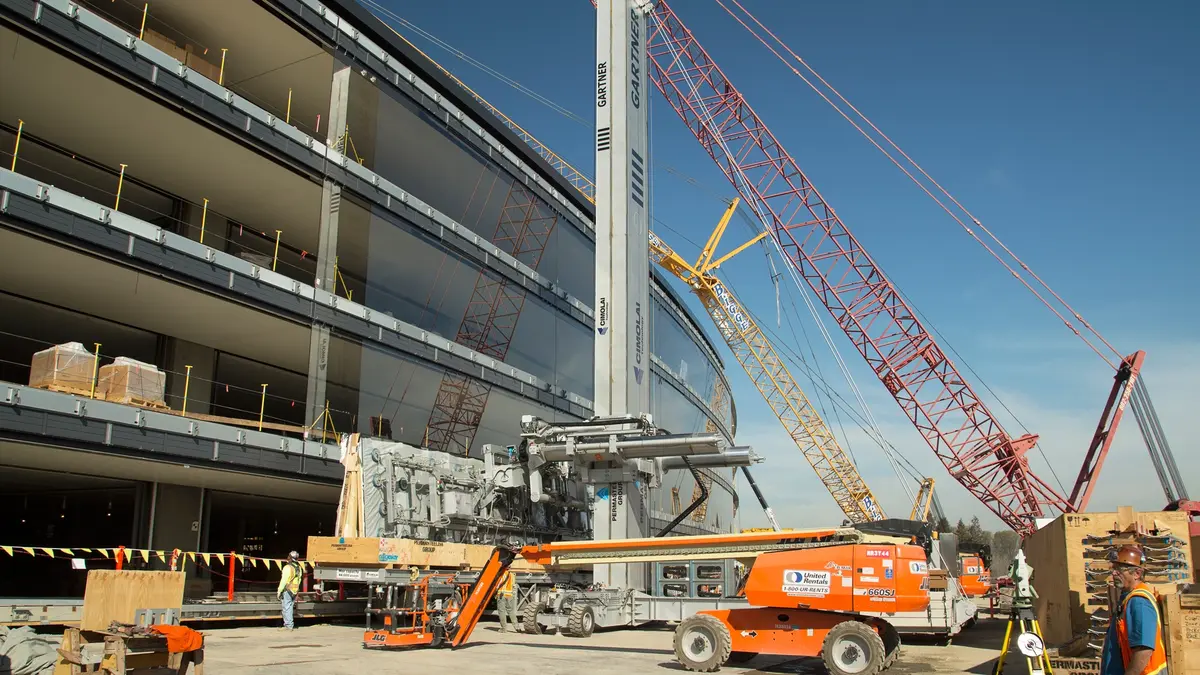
(235, 230)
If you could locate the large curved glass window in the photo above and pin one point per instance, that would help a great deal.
(674, 345)
(417, 153)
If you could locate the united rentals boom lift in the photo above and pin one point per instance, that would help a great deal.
(807, 593)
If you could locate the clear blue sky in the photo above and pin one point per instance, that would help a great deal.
(1068, 128)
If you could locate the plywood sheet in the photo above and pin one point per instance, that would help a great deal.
(1181, 616)
(113, 595)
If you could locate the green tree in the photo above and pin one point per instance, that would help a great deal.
(975, 534)
(1005, 545)
(943, 525)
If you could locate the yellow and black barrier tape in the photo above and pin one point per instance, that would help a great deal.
(145, 554)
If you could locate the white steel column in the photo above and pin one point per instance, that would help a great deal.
(622, 265)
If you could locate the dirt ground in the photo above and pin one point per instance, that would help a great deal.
(333, 649)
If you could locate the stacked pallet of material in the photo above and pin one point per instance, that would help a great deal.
(66, 368)
(1060, 568)
(1166, 564)
(132, 382)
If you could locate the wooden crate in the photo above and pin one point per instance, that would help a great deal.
(403, 553)
(1056, 554)
(116, 595)
(1068, 665)
(1196, 558)
(1181, 616)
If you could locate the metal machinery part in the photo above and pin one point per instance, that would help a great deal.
(620, 457)
(416, 493)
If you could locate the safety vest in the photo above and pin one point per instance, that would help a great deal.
(293, 582)
(1158, 659)
(506, 585)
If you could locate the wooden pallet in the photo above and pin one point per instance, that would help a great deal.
(84, 392)
(140, 402)
(116, 654)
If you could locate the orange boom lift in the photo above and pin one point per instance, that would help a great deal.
(807, 593)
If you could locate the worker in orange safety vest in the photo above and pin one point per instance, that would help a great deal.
(1134, 643)
(506, 601)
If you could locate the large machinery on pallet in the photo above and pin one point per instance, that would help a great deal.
(804, 595)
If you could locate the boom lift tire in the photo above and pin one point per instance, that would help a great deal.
(582, 621)
(853, 648)
(702, 643)
(891, 643)
(740, 657)
(529, 616)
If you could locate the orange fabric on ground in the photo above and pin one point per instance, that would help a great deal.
(179, 638)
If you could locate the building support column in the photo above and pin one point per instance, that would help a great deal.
(318, 369)
(331, 193)
(199, 387)
(326, 279)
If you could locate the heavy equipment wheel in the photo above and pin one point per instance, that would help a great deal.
(853, 648)
(581, 622)
(891, 645)
(702, 643)
(529, 622)
(740, 657)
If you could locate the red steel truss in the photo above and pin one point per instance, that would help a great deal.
(959, 428)
(488, 325)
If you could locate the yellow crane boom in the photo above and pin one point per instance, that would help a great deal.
(769, 373)
(924, 500)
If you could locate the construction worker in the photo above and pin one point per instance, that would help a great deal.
(1134, 644)
(506, 601)
(289, 588)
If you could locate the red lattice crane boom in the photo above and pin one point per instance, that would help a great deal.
(967, 438)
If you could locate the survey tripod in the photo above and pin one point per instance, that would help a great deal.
(1029, 640)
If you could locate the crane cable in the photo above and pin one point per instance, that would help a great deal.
(876, 436)
(971, 216)
(479, 64)
(705, 118)
(792, 355)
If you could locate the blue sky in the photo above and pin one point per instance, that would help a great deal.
(1067, 128)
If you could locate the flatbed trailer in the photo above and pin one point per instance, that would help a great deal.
(69, 611)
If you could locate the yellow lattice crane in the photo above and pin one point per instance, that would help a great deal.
(924, 500)
(769, 373)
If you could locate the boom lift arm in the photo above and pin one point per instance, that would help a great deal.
(768, 372)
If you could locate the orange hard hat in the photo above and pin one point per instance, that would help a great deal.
(1129, 554)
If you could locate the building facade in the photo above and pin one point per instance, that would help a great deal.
(308, 231)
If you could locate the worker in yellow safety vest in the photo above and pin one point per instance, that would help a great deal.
(506, 601)
(289, 588)
(1134, 643)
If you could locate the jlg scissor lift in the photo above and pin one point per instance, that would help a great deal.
(807, 593)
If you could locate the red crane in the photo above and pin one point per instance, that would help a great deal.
(938, 400)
